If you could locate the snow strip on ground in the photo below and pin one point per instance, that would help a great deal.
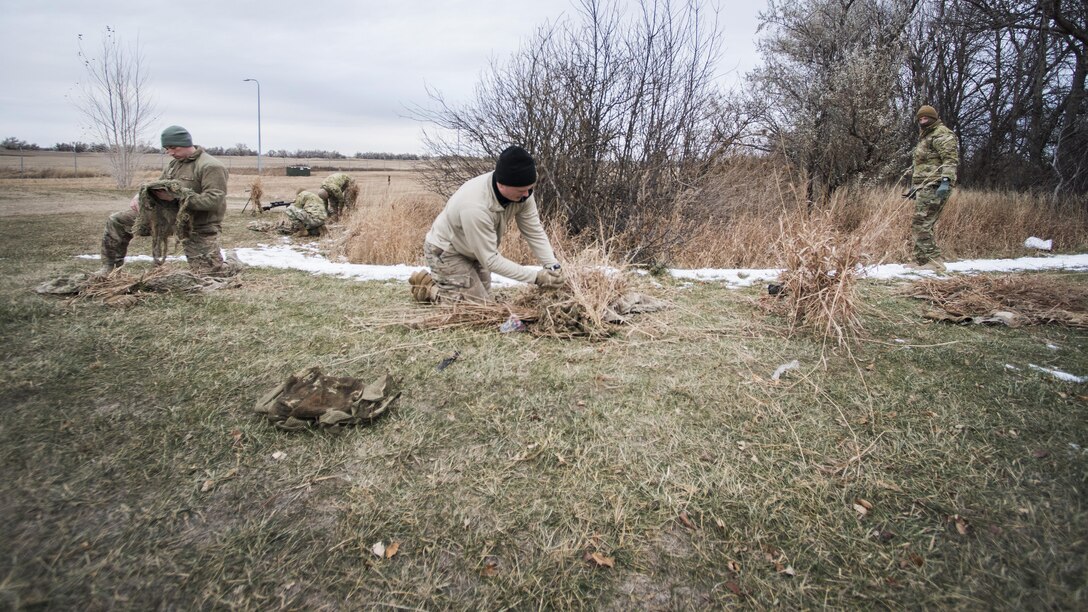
(306, 257)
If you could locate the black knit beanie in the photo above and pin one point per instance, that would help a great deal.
(176, 136)
(515, 167)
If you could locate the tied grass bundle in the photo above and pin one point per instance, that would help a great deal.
(351, 195)
(160, 220)
(591, 304)
(256, 191)
(819, 283)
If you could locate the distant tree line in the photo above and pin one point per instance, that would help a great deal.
(13, 143)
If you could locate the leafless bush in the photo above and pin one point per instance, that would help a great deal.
(619, 110)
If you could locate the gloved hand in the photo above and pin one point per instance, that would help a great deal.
(944, 188)
(549, 279)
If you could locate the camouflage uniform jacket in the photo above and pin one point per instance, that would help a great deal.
(473, 222)
(203, 180)
(335, 184)
(936, 156)
(314, 207)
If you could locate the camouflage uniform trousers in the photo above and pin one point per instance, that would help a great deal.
(299, 219)
(456, 276)
(927, 208)
(201, 247)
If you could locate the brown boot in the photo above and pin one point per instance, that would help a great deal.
(422, 286)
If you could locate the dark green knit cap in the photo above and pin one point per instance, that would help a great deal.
(176, 136)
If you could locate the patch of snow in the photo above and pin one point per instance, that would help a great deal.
(307, 257)
(1064, 376)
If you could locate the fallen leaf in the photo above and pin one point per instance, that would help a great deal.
(733, 566)
(208, 485)
(719, 522)
(861, 510)
(490, 568)
(279, 455)
(1040, 453)
(912, 559)
(237, 435)
(601, 560)
(734, 587)
(686, 521)
(787, 570)
(378, 549)
(392, 549)
(962, 527)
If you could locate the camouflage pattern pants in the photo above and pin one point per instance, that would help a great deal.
(927, 208)
(201, 247)
(456, 276)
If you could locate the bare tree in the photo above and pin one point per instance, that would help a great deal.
(829, 81)
(618, 105)
(115, 102)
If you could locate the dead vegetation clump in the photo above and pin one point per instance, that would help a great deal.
(596, 301)
(1030, 298)
(256, 192)
(817, 290)
(122, 289)
(388, 230)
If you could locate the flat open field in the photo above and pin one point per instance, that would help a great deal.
(99, 193)
(930, 466)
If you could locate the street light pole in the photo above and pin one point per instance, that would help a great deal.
(258, 124)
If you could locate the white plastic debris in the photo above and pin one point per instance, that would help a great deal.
(1039, 243)
(279, 455)
(785, 367)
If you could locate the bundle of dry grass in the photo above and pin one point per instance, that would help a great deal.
(593, 304)
(1032, 298)
(819, 283)
(256, 191)
(122, 289)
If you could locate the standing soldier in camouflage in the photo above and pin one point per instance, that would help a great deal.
(933, 175)
(195, 185)
(339, 192)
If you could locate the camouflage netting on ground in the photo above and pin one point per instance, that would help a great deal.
(1007, 299)
(123, 289)
(310, 399)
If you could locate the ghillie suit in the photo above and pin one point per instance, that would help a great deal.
(160, 219)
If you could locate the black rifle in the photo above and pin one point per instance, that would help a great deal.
(272, 205)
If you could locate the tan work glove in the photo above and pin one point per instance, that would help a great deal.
(549, 279)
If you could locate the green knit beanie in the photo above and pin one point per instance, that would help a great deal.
(176, 136)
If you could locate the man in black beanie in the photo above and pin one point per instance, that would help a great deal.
(462, 248)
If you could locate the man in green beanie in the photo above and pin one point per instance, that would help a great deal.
(933, 175)
(191, 194)
(462, 247)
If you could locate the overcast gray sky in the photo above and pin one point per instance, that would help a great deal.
(334, 74)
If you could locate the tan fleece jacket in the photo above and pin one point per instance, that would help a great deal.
(473, 222)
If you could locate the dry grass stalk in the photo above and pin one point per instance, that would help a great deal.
(819, 283)
(255, 194)
(1036, 299)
